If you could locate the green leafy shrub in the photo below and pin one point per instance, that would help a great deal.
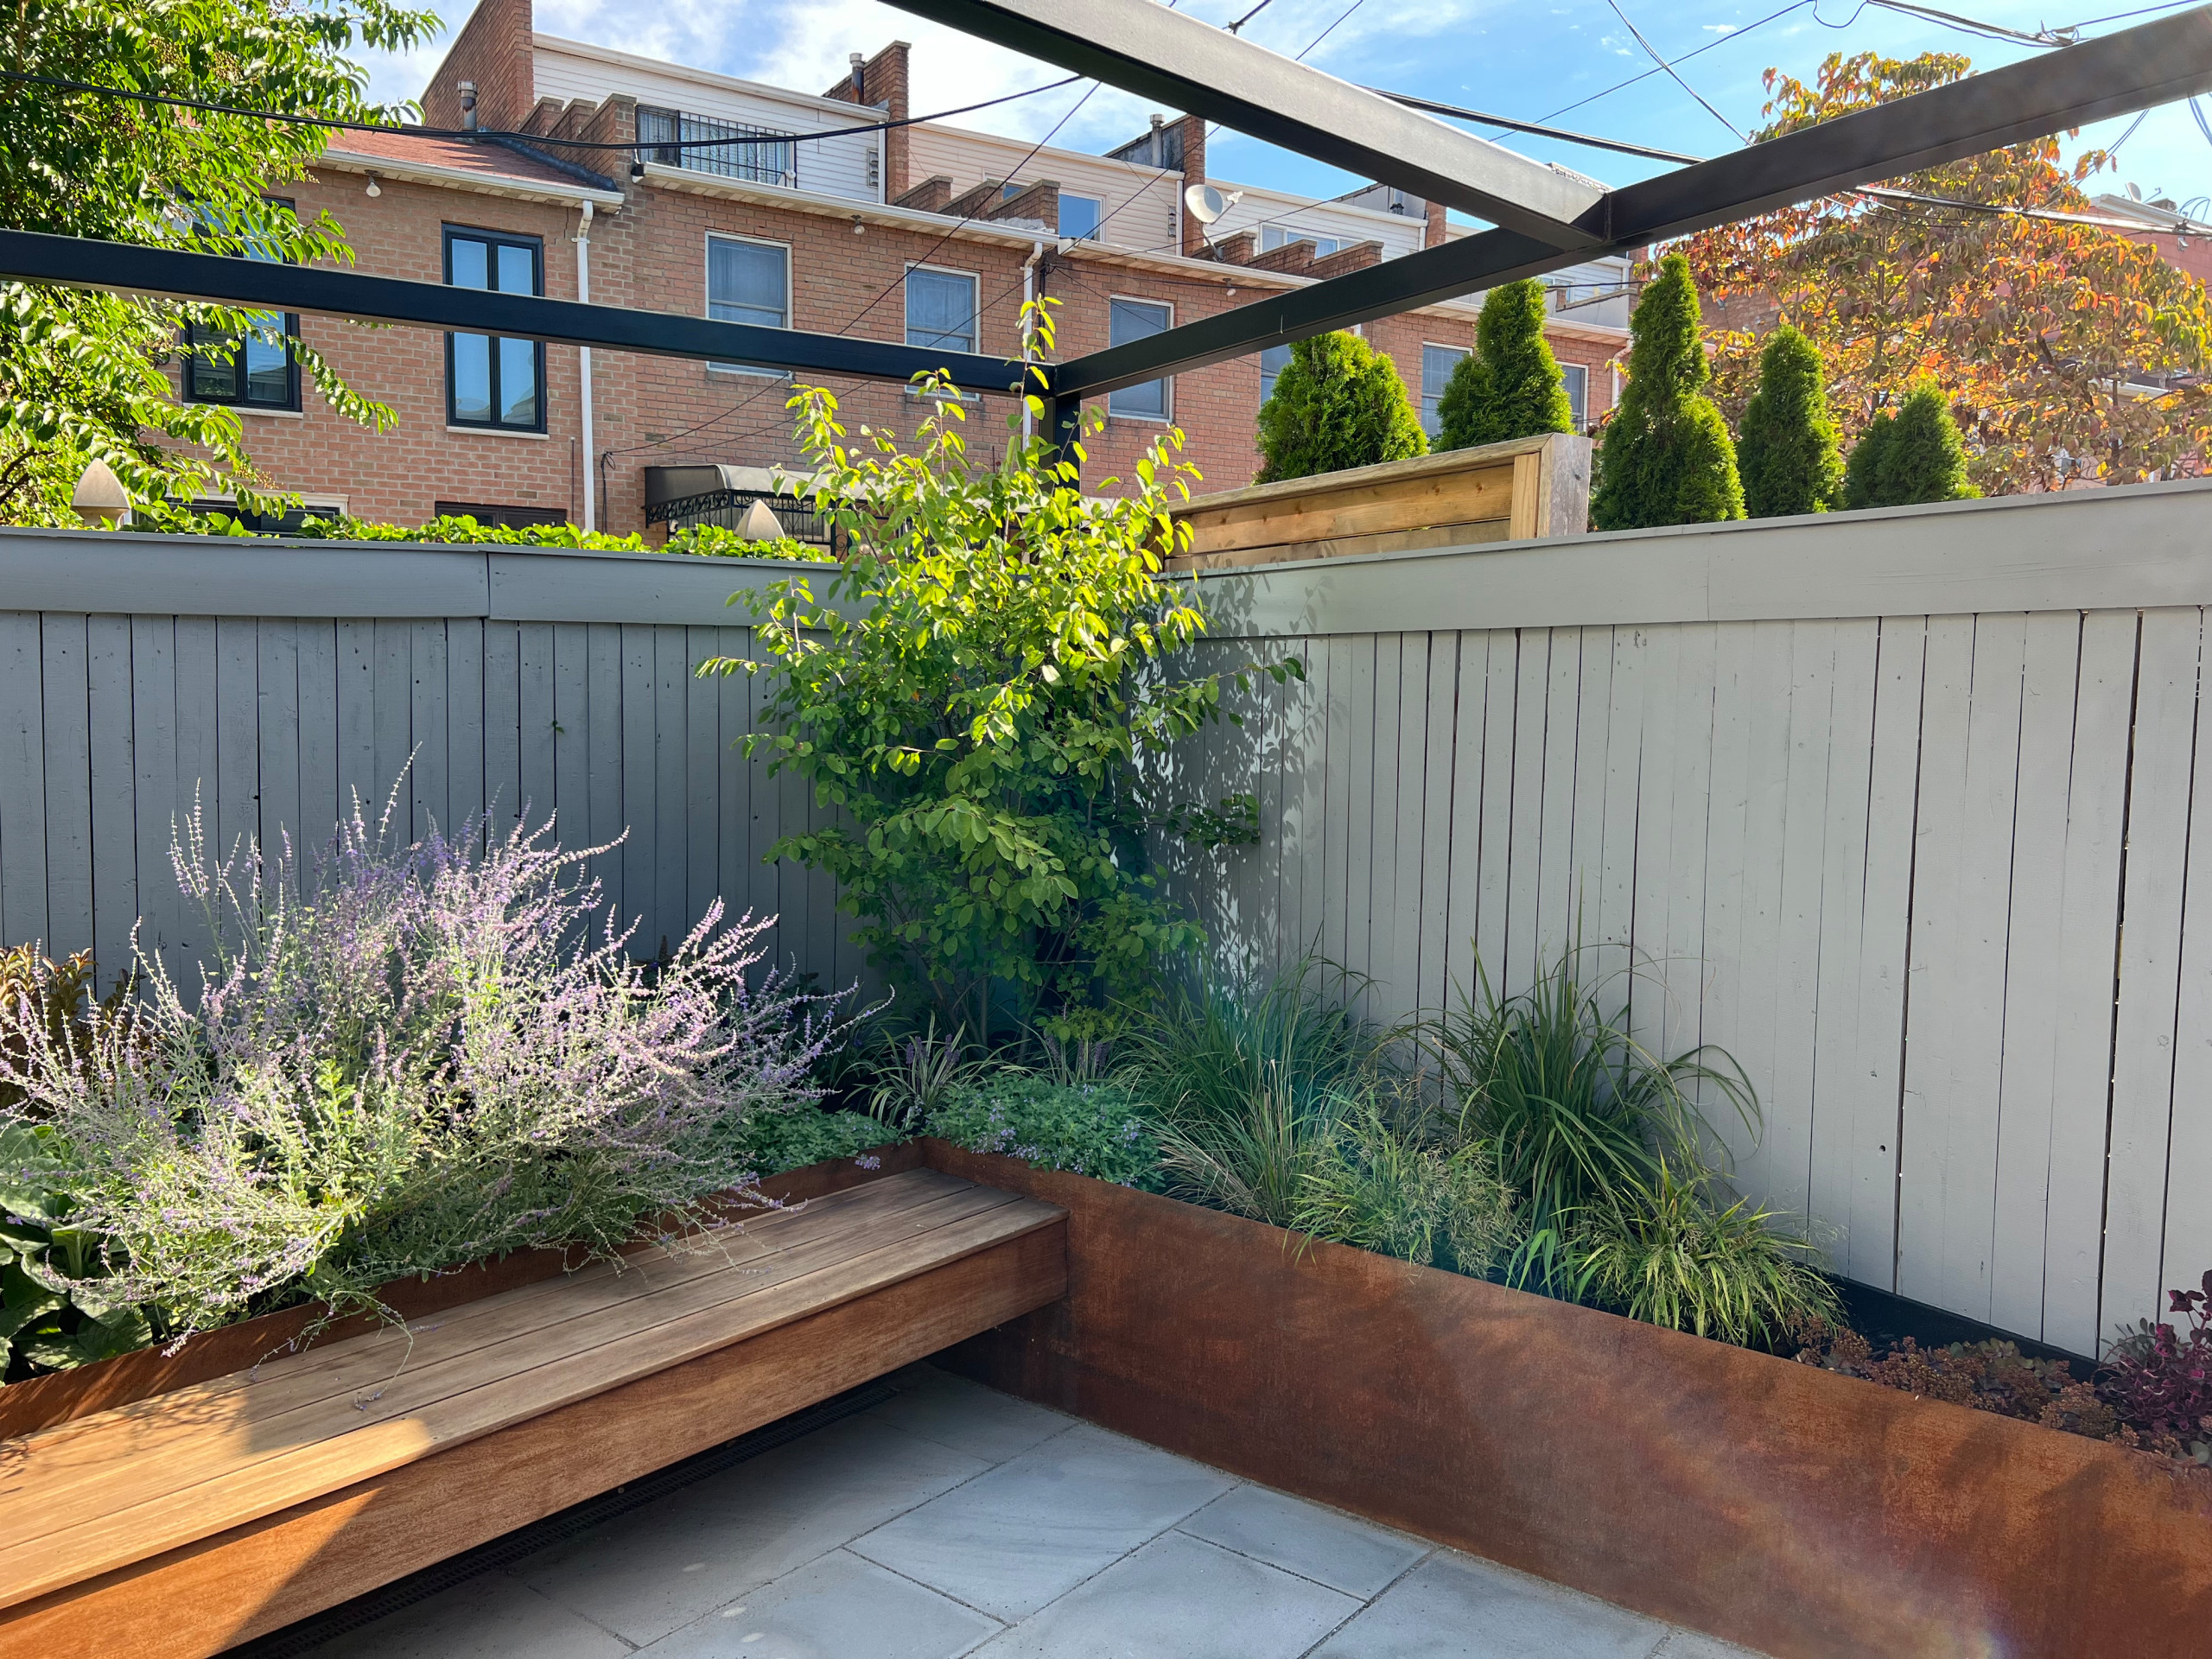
(58, 997)
(1086, 1129)
(778, 1141)
(1787, 451)
(1666, 457)
(1667, 1251)
(917, 1071)
(1511, 387)
(56, 1312)
(1339, 403)
(1381, 1189)
(970, 697)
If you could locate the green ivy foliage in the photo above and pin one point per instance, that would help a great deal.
(1909, 455)
(709, 541)
(1666, 458)
(83, 375)
(1511, 387)
(1788, 452)
(1337, 403)
(969, 694)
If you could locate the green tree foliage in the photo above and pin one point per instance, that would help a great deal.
(82, 375)
(1339, 403)
(1511, 387)
(971, 693)
(1788, 452)
(1666, 458)
(1912, 453)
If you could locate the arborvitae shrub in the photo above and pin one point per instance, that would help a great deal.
(1861, 472)
(1926, 460)
(1787, 451)
(1511, 387)
(1667, 458)
(1910, 455)
(1337, 403)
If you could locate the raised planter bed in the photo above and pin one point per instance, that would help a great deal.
(1776, 1505)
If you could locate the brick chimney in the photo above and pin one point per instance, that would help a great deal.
(1431, 234)
(1192, 132)
(494, 51)
(881, 82)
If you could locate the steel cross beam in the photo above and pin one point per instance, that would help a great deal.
(259, 284)
(2153, 63)
(1142, 46)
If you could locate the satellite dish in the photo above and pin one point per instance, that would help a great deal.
(1207, 204)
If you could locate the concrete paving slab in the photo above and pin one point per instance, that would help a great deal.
(490, 1617)
(838, 1607)
(1180, 1597)
(1034, 1528)
(1329, 1547)
(1453, 1606)
(655, 1569)
(966, 1416)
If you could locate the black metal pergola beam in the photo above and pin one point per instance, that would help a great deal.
(1142, 46)
(2133, 69)
(259, 284)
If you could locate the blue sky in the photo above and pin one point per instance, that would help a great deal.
(1505, 56)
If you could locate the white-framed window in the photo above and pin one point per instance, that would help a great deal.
(1281, 236)
(1134, 319)
(1578, 393)
(748, 281)
(1437, 363)
(1272, 362)
(1080, 216)
(941, 308)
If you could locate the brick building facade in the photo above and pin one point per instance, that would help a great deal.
(924, 233)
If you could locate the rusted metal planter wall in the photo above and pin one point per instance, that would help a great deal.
(1769, 1503)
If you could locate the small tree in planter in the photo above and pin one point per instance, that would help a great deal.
(1337, 403)
(1666, 457)
(1511, 387)
(1788, 453)
(971, 693)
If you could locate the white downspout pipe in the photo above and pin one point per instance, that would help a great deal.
(1028, 297)
(583, 370)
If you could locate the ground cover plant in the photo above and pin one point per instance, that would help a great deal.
(1092, 1128)
(407, 1059)
(800, 1134)
(971, 695)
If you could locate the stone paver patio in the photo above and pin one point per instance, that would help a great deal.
(950, 1519)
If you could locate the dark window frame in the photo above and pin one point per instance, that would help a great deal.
(494, 241)
(196, 335)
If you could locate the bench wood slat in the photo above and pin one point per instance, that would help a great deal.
(114, 1520)
(100, 1475)
(337, 1370)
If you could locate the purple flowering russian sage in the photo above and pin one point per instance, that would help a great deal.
(421, 1056)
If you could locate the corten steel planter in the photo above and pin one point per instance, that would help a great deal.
(1773, 1503)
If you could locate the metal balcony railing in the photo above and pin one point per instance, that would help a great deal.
(758, 155)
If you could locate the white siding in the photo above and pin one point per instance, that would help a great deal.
(834, 166)
(1399, 233)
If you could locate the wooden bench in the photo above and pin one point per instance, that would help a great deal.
(187, 1522)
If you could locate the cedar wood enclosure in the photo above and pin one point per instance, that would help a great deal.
(1897, 807)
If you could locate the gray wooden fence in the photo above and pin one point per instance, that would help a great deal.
(1898, 808)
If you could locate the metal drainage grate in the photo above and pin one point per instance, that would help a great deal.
(327, 1625)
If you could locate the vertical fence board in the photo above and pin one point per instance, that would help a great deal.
(357, 716)
(468, 742)
(115, 853)
(430, 779)
(153, 755)
(1784, 1169)
(1586, 833)
(1615, 913)
(2143, 1055)
(1655, 837)
(1493, 912)
(1523, 851)
(23, 761)
(504, 738)
(276, 730)
(316, 679)
(67, 695)
(2026, 1082)
(392, 722)
(1443, 708)
(668, 749)
(598, 763)
(236, 792)
(702, 759)
(1683, 969)
(1463, 897)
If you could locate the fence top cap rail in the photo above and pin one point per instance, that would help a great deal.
(190, 541)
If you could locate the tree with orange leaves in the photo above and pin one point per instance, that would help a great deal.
(2066, 350)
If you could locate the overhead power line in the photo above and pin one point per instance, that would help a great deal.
(1536, 128)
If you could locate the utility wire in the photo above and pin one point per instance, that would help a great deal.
(1653, 52)
(1430, 106)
